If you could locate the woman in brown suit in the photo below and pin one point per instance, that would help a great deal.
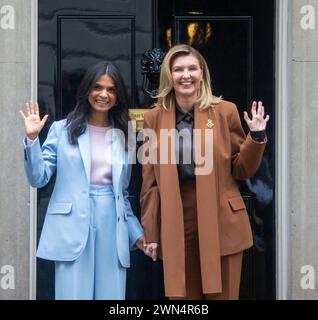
(197, 223)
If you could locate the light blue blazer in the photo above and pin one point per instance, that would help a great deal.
(66, 225)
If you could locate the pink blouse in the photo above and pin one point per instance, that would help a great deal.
(101, 153)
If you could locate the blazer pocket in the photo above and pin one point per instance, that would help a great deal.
(237, 204)
(59, 208)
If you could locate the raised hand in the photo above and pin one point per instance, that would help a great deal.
(32, 122)
(258, 122)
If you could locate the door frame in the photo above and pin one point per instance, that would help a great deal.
(281, 152)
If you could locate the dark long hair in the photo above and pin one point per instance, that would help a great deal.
(77, 119)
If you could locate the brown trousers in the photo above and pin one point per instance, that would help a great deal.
(230, 265)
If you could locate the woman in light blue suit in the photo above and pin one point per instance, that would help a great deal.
(89, 227)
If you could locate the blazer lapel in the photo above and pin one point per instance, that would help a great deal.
(169, 171)
(118, 158)
(171, 204)
(208, 208)
(84, 146)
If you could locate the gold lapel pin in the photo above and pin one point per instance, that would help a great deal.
(209, 124)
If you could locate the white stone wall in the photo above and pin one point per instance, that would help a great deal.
(15, 88)
(303, 150)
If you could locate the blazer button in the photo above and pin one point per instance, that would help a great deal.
(118, 219)
(117, 197)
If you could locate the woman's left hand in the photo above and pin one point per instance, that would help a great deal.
(141, 243)
(258, 122)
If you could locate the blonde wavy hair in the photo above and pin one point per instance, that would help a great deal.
(166, 95)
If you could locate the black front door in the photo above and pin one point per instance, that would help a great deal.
(236, 38)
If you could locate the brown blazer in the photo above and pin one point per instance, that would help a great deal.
(223, 224)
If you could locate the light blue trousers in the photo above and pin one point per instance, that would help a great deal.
(96, 274)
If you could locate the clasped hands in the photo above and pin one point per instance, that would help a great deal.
(149, 249)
